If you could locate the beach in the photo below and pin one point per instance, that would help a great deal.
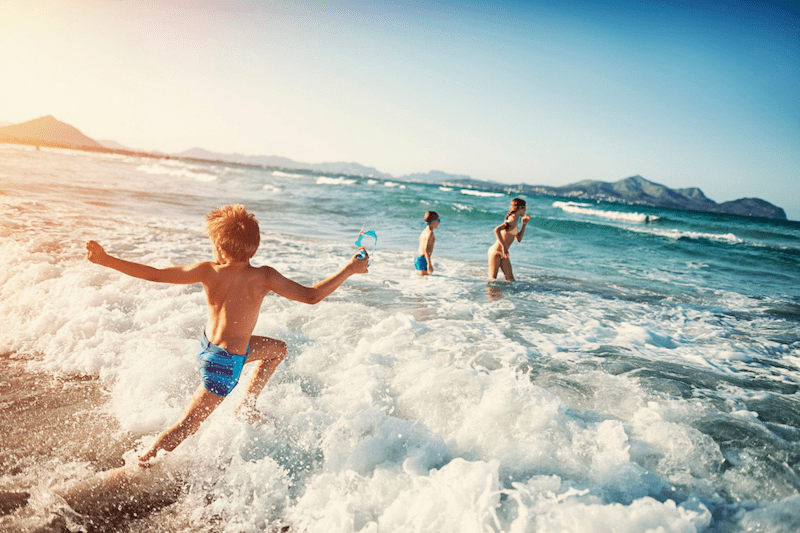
(642, 372)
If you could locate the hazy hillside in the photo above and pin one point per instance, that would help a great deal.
(634, 190)
(353, 169)
(48, 130)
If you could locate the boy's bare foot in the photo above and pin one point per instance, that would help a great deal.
(249, 414)
(145, 460)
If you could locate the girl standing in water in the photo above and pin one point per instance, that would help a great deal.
(513, 228)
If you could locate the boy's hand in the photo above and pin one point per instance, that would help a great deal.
(95, 252)
(360, 262)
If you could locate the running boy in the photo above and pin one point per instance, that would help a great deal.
(427, 239)
(234, 291)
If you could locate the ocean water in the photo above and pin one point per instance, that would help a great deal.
(642, 373)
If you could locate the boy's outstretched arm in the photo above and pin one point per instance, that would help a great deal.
(179, 275)
(292, 290)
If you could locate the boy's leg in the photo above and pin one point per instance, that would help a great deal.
(201, 406)
(267, 354)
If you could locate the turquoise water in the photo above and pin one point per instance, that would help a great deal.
(643, 370)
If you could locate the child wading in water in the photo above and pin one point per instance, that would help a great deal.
(234, 291)
(427, 239)
(512, 229)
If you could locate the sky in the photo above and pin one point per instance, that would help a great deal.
(686, 94)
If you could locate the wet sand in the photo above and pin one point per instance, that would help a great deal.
(49, 418)
(50, 421)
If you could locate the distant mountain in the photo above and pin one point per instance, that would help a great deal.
(274, 161)
(638, 191)
(635, 190)
(752, 207)
(47, 131)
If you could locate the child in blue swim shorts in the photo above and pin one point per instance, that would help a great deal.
(219, 370)
(234, 292)
(422, 262)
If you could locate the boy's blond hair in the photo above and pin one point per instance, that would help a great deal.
(234, 231)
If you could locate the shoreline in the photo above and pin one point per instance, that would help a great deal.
(54, 418)
(753, 208)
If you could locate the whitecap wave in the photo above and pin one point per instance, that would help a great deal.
(287, 174)
(473, 192)
(323, 180)
(178, 170)
(682, 234)
(584, 209)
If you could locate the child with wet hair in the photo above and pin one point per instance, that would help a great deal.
(234, 292)
(423, 262)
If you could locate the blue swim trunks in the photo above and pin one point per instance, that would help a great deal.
(219, 370)
(420, 263)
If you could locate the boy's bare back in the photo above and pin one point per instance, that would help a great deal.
(234, 293)
(426, 241)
